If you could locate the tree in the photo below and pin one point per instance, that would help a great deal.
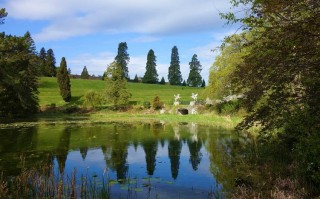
(203, 84)
(50, 67)
(174, 75)
(157, 104)
(18, 76)
(85, 73)
(136, 79)
(64, 81)
(123, 59)
(184, 83)
(3, 14)
(232, 51)
(116, 91)
(162, 81)
(194, 78)
(151, 75)
(280, 77)
(42, 61)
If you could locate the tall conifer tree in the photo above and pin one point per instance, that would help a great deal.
(85, 73)
(64, 81)
(42, 61)
(123, 59)
(18, 76)
(151, 75)
(194, 78)
(50, 64)
(174, 75)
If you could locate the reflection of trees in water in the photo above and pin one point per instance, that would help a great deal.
(62, 150)
(150, 148)
(83, 152)
(228, 160)
(195, 153)
(174, 150)
(18, 146)
(194, 146)
(119, 153)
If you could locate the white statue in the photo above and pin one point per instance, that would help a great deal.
(162, 111)
(194, 111)
(194, 96)
(176, 100)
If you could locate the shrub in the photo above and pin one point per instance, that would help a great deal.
(157, 104)
(146, 104)
(92, 99)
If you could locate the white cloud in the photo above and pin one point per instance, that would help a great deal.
(96, 64)
(69, 18)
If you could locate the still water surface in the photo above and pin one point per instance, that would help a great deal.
(183, 160)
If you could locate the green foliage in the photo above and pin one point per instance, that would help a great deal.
(280, 75)
(203, 84)
(18, 76)
(123, 59)
(3, 14)
(232, 51)
(116, 90)
(50, 66)
(151, 75)
(156, 103)
(136, 79)
(162, 81)
(85, 73)
(93, 99)
(174, 74)
(64, 81)
(146, 104)
(42, 61)
(184, 83)
(194, 78)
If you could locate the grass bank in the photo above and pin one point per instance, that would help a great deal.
(49, 91)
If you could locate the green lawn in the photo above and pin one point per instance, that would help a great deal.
(49, 91)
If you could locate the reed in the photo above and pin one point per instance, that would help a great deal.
(45, 183)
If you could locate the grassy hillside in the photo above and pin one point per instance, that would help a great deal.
(49, 91)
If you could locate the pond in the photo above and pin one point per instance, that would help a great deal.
(139, 160)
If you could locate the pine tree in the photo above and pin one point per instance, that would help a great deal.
(50, 67)
(203, 84)
(174, 75)
(64, 81)
(116, 91)
(151, 75)
(85, 73)
(42, 61)
(18, 76)
(184, 83)
(162, 81)
(123, 59)
(194, 78)
(136, 79)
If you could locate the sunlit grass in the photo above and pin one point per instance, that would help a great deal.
(49, 91)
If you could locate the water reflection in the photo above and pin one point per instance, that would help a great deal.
(182, 156)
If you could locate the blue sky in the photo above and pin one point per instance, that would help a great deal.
(87, 32)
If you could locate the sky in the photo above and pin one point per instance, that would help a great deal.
(88, 32)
